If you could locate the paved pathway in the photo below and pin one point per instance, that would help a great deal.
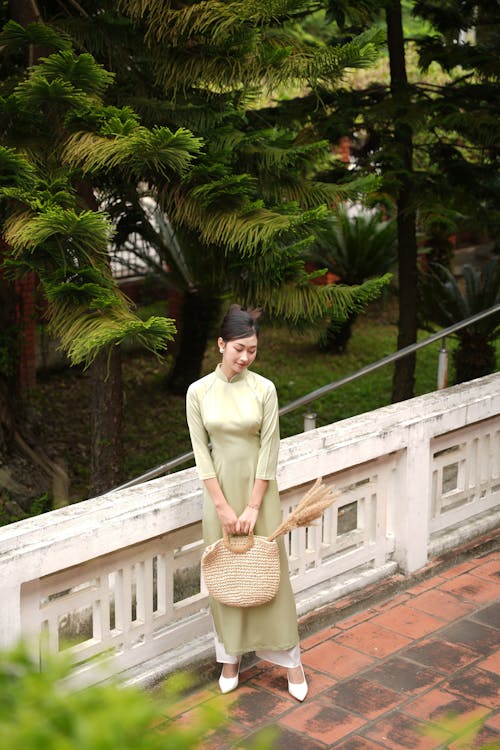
(379, 673)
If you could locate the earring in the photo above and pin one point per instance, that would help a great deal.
(221, 350)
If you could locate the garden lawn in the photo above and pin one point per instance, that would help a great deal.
(155, 428)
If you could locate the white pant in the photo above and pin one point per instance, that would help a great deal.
(288, 659)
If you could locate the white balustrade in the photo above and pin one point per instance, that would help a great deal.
(119, 574)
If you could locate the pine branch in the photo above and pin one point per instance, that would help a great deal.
(83, 333)
(14, 36)
(87, 233)
(81, 71)
(244, 228)
(309, 303)
(142, 151)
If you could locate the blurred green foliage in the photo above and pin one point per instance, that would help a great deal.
(39, 711)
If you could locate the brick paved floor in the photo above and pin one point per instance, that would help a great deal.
(379, 677)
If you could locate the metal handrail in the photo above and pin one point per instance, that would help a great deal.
(319, 392)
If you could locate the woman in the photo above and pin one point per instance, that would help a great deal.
(236, 411)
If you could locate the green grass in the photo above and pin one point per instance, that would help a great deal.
(155, 427)
(295, 365)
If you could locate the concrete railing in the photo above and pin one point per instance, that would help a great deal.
(120, 573)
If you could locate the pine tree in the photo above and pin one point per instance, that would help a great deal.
(252, 204)
(434, 142)
(59, 140)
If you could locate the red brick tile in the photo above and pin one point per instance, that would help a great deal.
(492, 663)
(457, 570)
(438, 703)
(429, 583)
(322, 722)
(475, 636)
(393, 602)
(400, 732)
(442, 605)
(441, 655)
(274, 679)
(493, 721)
(405, 676)
(350, 622)
(489, 615)
(253, 672)
(372, 639)
(477, 685)
(359, 743)
(364, 697)
(254, 707)
(335, 660)
(472, 589)
(408, 621)
(489, 570)
(194, 723)
(315, 638)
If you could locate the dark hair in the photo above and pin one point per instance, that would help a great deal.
(239, 323)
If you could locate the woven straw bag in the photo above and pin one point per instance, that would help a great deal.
(242, 571)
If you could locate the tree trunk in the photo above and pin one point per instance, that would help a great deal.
(26, 470)
(9, 357)
(335, 337)
(106, 421)
(198, 315)
(404, 370)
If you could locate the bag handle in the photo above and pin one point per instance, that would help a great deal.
(238, 548)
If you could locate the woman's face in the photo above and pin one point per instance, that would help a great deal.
(237, 354)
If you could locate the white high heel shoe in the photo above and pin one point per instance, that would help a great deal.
(227, 684)
(298, 690)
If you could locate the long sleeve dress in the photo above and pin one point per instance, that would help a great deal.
(240, 419)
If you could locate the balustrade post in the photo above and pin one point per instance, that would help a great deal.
(310, 420)
(10, 616)
(412, 506)
(442, 379)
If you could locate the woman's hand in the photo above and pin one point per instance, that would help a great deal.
(228, 519)
(248, 519)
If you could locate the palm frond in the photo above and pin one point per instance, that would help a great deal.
(355, 247)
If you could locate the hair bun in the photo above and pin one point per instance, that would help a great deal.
(255, 313)
(239, 323)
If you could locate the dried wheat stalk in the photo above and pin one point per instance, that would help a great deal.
(314, 503)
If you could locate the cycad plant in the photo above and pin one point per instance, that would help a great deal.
(444, 300)
(354, 247)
